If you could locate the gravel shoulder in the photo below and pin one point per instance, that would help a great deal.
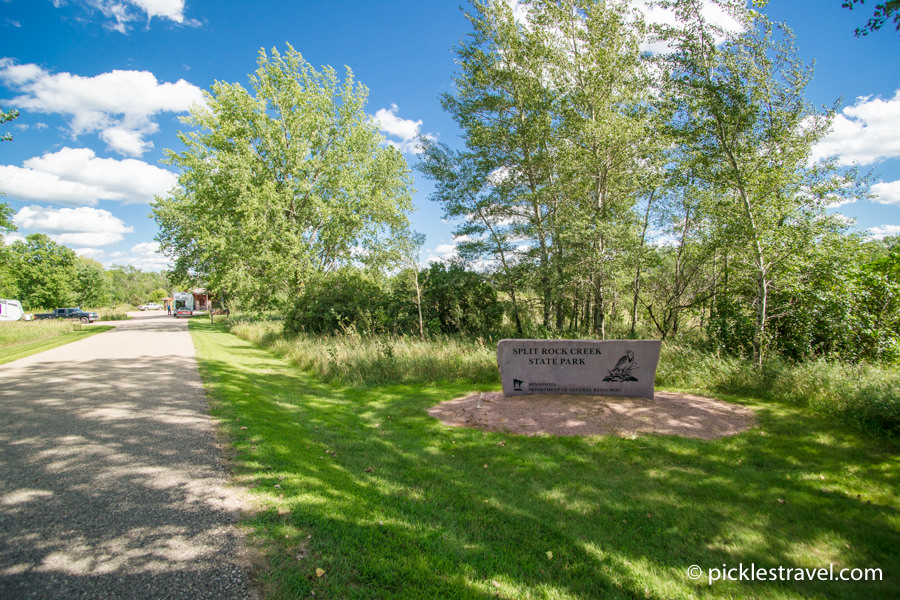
(111, 482)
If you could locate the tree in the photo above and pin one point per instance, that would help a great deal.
(281, 184)
(552, 102)
(91, 285)
(45, 272)
(883, 12)
(747, 132)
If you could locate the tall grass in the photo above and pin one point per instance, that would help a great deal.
(351, 359)
(13, 333)
(864, 396)
(119, 313)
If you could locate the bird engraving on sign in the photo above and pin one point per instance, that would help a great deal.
(623, 369)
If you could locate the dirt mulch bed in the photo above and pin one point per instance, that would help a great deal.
(668, 413)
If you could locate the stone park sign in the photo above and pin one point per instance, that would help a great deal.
(607, 367)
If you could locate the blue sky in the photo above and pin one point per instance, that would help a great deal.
(100, 85)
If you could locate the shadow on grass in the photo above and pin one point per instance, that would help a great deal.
(391, 503)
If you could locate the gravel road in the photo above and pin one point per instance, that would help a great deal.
(111, 483)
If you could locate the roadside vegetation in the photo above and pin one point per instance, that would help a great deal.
(865, 396)
(19, 339)
(362, 495)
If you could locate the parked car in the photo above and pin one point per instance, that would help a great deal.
(69, 313)
(150, 306)
(184, 312)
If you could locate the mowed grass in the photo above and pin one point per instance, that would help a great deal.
(362, 494)
(19, 339)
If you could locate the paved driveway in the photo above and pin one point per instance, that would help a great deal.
(111, 484)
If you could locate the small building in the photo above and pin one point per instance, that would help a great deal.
(201, 299)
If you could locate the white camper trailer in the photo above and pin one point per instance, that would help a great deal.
(11, 310)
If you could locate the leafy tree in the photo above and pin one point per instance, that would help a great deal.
(552, 105)
(91, 285)
(128, 285)
(747, 133)
(158, 294)
(45, 272)
(883, 12)
(281, 184)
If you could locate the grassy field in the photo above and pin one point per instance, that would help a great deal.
(864, 396)
(363, 495)
(19, 339)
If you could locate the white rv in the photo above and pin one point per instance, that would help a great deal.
(11, 310)
(184, 304)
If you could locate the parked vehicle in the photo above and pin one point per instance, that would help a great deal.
(11, 310)
(150, 306)
(184, 304)
(69, 313)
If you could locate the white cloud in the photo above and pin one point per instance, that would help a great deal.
(441, 253)
(92, 253)
(888, 192)
(711, 11)
(83, 226)
(144, 256)
(76, 176)
(123, 12)
(119, 106)
(406, 130)
(864, 133)
(879, 233)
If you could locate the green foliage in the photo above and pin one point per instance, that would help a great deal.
(158, 294)
(281, 184)
(347, 299)
(883, 13)
(91, 286)
(459, 301)
(45, 272)
(353, 359)
(6, 116)
(128, 285)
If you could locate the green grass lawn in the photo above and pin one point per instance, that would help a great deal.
(363, 495)
(21, 343)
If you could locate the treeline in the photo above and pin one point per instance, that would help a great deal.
(847, 308)
(603, 189)
(43, 274)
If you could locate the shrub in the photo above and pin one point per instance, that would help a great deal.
(340, 301)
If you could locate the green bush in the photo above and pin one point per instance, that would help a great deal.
(344, 300)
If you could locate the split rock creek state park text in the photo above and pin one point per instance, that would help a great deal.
(556, 356)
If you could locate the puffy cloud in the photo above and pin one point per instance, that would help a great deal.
(394, 126)
(76, 176)
(83, 226)
(864, 133)
(887, 192)
(119, 106)
(884, 231)
(144, 256)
